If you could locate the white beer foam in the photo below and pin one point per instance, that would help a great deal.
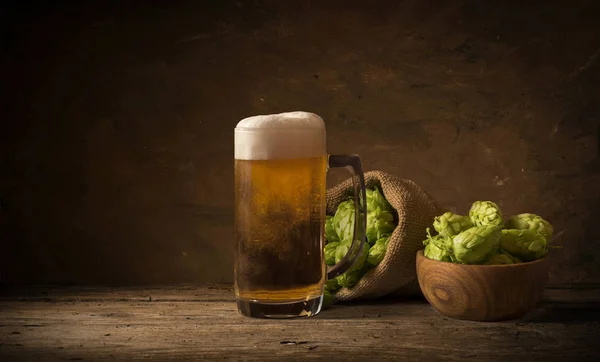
(297, 119)
(285, 135)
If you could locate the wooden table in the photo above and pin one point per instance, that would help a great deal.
(201, 323)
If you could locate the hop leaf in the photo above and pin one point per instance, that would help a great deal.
(450, 224)
(485, 213)
(527, 245)
(527, 221)
(476, 244)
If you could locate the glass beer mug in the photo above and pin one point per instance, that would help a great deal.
(280, 187)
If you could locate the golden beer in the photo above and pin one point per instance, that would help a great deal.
(280, 171)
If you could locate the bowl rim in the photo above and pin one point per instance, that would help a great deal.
(421, 255)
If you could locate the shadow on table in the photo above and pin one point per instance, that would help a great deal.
(571, 313)
(386, 307)
(395, 308)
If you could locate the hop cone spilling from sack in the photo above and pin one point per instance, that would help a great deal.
(398, 211)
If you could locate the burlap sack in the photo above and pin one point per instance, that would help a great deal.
(396, 274)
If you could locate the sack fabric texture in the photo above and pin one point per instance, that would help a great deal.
(415, 211)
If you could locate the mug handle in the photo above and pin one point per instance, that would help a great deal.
(353, 164)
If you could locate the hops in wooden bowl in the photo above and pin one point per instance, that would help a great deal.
(479, 267)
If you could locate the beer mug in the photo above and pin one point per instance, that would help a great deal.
(280, 203)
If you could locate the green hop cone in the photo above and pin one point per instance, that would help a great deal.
(450, 224)
(330, 249)
(379, 223)
(476, 244)
(441, 241)
(376, 201)
(362, 259)
(330, 234)
(332, 285)
(342, 250)
(350, 278)
(327, 299)
(435, 252)
(485, 213)
(438, 247)
(527, 245)
(343, 221)
(377, 251)
(528, 221)
(500, 258)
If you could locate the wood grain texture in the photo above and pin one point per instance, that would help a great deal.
(117, 122)
(201, 323)
(482, 292)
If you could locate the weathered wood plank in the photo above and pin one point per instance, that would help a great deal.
(201, 323)
(209, 330)
(215, 292)
(199, 293)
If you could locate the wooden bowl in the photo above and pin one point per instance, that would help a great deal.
(482, 292)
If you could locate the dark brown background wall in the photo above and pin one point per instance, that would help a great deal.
(117, 132)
